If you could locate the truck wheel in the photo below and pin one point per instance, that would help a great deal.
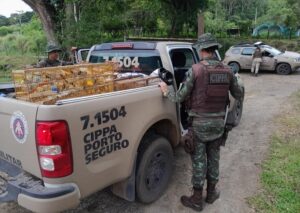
(154, 168)
(234, 66)
(283, 69)
(234, 117)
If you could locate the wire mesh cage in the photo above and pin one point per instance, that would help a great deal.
(48, 85)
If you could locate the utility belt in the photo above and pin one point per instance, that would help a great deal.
(188, 141)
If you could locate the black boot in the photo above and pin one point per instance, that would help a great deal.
(194, 201)
(212, 193)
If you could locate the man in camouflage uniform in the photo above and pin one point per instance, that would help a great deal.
(206, 92)
(53, 58)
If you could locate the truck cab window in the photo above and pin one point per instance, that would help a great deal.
(139, 61)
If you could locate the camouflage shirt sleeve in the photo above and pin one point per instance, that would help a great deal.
(41, 64)
(66, 63)
(184, 89)
(235, 89)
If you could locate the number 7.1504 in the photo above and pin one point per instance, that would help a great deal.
(103, 117)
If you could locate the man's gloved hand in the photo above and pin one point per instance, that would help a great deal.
(188, 142)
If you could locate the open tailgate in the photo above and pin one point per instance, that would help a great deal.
(17, 134)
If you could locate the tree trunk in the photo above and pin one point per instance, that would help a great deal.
(40, 8)
(173, 28)
(200, 23)
(69, 11)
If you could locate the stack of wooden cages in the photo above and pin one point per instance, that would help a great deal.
(50, 84)
(47, 85)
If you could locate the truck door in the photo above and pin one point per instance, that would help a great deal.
(182, 60)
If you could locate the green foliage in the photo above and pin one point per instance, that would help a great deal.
(6, 30)
(96, 21)
(23, 39)
(84, 23)
(22, 45)
(247, 14)
(14, 62)
(277, 12)
(3, 21)
(19, 18)
(181, 13)
(280, 175)
(102, 20)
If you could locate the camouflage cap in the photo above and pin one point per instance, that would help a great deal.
(52, 48)
(205, 41)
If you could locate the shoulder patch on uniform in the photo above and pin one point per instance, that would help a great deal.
(218, 78)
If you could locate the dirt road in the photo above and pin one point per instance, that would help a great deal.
(240, 159)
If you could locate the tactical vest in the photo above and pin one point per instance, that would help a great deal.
(210, 91)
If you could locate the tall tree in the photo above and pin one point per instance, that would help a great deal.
(181, 12)
(201, 24)
(48, 11)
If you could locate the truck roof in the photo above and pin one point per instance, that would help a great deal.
(138, 45)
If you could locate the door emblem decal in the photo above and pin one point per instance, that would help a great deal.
(19, 127)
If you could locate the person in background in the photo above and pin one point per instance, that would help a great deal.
(205, 91)
(256, 61)
(53, 58)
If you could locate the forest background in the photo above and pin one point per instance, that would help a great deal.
(82, 23)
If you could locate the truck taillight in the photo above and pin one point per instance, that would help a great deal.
(54, 149)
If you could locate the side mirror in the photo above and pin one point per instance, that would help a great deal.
(166, 76)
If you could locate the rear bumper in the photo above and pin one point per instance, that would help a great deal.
(54, 204)
(33, 195)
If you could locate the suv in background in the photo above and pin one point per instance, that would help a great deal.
(240, 57)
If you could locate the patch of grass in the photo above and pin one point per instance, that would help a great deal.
(280, 177)
(14, 62)
(4, 78)
(18, 61)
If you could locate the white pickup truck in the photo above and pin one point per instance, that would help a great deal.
(52, 156)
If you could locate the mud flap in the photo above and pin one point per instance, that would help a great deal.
(126, 188)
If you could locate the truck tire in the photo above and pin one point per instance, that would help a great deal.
(154, 168)
(235, 66)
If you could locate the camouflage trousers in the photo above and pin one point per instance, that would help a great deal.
(205, 162)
